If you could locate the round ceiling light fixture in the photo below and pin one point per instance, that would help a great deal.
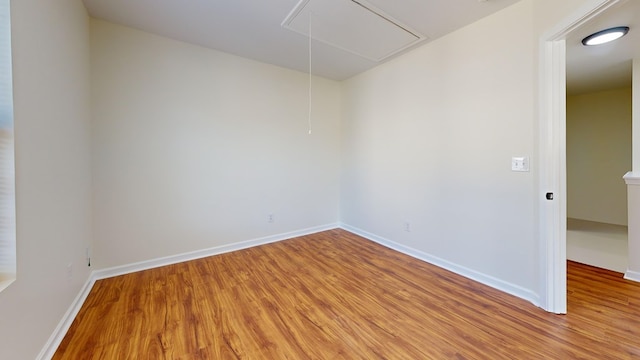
(605, 36)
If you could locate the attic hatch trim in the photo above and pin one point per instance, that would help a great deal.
(386, 17)
(412, 37)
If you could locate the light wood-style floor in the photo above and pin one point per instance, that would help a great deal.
(334, 295)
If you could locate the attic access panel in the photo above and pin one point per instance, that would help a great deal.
(351, 25)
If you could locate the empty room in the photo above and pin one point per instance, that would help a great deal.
(302, 180)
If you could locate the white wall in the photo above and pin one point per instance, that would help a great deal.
(194, 148)
(598, 155)
(429, 138)
(53, 170)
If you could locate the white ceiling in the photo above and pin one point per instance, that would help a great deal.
(594, 68)
(252, 28)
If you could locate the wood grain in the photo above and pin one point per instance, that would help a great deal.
(334, 295)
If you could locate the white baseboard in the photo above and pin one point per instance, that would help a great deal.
(632, 275)
(198, 254)
(501, 285)
(56, 338)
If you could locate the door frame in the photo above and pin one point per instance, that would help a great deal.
(552, 154)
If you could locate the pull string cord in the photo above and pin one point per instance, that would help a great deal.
(310, 79)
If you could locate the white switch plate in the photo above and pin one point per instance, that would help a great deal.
(520, 163)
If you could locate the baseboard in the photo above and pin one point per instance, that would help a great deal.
(60, 331)
(501, 285)
(198, 254)
(632, 275)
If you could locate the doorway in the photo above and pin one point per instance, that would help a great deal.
(598, 155)
(552, 154)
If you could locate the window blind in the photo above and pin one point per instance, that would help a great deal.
(7, 173)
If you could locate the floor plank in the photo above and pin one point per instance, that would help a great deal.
(335, 295)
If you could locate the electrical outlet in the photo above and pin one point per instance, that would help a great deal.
(271, 218)
(407, 226)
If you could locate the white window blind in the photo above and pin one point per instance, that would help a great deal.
(7, 174)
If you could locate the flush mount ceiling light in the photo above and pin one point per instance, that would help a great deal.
(605, 36)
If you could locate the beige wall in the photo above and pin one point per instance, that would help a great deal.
(193, 148)
(636, 115)
(598, 155)
(429, 138)
(53, 170)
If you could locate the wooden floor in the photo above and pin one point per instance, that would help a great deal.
(335, 295)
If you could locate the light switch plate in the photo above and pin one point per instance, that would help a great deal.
(519, 163)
